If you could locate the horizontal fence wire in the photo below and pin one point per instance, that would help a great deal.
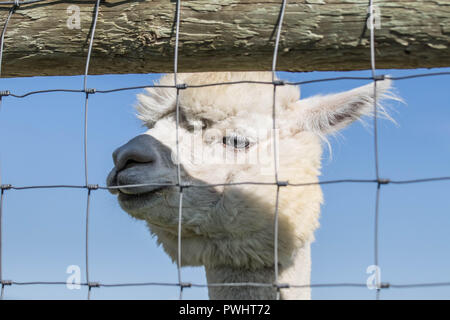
(233, 284)
(285, 183)
(192, 86)
(378, 181)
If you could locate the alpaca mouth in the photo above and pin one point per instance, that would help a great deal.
(129, 184)
(138, 190)
(133, 196)
(138, 204)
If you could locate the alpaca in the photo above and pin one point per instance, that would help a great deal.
(230, 229)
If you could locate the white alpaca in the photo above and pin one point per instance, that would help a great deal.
(230, 229)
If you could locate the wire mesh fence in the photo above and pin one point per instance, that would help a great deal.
(90, 188)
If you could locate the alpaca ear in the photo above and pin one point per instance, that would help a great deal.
(327, 114)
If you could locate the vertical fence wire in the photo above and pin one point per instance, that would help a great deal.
(275, 146)
(375, 144)
(177, 132)
(376, 242)
(85, 142)
(277, 39)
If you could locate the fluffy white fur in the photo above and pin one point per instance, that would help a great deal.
(230, 230)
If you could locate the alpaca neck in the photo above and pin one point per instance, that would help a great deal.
(297, 273)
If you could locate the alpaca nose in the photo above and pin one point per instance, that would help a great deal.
(140, 149)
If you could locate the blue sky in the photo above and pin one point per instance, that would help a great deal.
(43, 230)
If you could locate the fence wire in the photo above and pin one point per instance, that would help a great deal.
(378, 181)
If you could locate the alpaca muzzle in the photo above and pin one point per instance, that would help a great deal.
(141, 166)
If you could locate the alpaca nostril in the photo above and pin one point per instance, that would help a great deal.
(139, 150)
(130, 158)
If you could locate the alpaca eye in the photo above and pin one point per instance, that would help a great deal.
(237, 142)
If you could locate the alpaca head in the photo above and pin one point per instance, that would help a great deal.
(226, 136)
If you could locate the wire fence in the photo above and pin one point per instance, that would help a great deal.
(378, 180)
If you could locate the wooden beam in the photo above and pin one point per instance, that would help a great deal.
(138, 36)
